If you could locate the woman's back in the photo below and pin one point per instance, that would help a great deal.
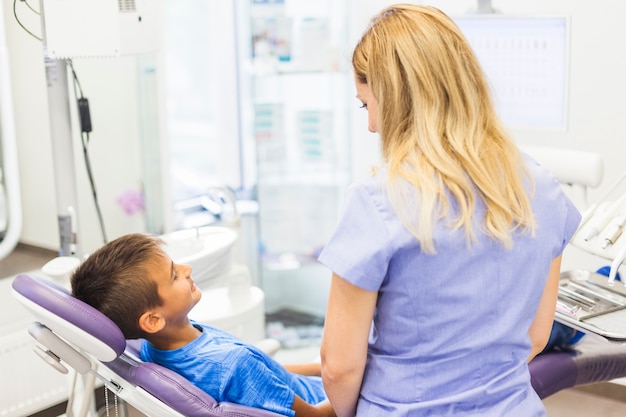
(451, 328)
(452, 252)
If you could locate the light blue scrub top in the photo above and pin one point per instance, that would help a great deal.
(450, 332)
(230, 370)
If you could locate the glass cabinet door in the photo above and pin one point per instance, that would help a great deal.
(297, 78)
(257, 100)
(202, 104)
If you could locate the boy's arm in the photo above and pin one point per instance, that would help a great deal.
(304, 409)
(307, 369)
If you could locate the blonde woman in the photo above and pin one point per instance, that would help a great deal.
(446, 261)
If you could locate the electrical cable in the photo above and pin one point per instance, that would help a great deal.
(17, 19)
(30, 7)
(84, 135)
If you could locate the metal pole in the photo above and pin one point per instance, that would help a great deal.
(62, 151)
(484, 6)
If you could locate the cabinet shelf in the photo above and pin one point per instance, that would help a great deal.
(260, 74)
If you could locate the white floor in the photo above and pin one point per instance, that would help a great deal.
(576, 403)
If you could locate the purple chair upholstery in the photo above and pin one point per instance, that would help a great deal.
(52, 300)
(592, 360)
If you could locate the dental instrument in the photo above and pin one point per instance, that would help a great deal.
(566, 309)
(598, 224)
(564, 292)
(588, 214)
(614, 232)
(617, 262)
(604, 217)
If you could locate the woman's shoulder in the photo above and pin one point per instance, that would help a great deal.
(540, 175)
(548, 193)
(373, 181)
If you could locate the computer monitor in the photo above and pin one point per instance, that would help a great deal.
(526, 60)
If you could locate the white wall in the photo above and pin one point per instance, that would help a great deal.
(597, 82)
(596, 120)
(597, 85)
(111, 87)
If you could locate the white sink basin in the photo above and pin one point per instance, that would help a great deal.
(207, 249)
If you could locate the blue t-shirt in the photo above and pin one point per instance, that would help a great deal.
(450, 331)
(233, 371)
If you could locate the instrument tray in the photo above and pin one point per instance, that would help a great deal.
(588, 302)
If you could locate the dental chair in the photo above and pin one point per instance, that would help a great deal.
(73, 334)
(591, 361)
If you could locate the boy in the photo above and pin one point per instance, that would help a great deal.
(133, 282)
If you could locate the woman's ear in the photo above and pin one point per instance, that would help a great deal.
(151, 322)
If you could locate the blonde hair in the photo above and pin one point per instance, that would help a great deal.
(438, 127)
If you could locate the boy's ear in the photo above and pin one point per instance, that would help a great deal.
(151, 322)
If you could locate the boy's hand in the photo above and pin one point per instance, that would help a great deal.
(303, 409)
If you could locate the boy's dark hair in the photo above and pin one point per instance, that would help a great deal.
(114, 280)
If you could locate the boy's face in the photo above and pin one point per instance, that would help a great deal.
(176, 288)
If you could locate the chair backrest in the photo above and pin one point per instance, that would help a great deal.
(86, 332)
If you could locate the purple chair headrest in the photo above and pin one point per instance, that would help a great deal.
(77, 322)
